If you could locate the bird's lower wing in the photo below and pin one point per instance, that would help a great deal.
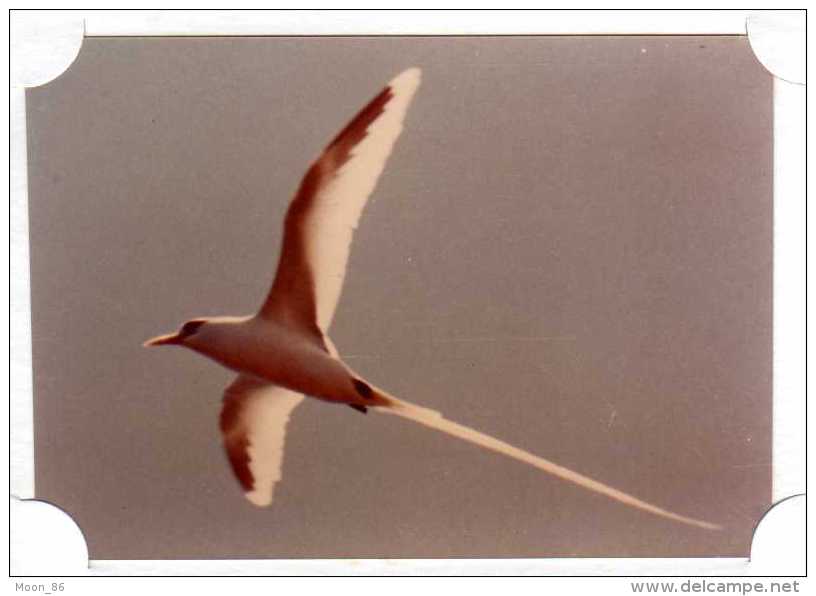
(435, 420)
(253, 425)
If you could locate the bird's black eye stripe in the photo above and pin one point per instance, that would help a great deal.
(190, 327)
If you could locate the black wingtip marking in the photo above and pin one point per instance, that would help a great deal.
(238, 454)
(361, 409)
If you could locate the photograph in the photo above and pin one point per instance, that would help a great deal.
(404, 297)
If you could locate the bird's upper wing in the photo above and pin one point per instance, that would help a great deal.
(325, 211)
(253, 425)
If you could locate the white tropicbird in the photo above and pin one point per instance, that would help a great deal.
(283, 353)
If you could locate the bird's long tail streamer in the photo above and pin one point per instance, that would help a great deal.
(435, 420)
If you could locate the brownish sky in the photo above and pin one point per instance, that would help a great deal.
(570, 249)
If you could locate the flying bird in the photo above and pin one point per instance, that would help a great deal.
(283, 352)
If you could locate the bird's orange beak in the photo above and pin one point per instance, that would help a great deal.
(163, 340)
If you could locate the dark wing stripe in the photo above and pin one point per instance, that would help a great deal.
(297, 277)
(238, 455)
(235, 439)
(253, 424)
(325, 209)
(354, 132)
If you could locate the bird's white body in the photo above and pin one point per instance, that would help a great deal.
(283, 353)
(278, 354)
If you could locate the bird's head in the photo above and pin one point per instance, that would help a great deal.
(181, 337)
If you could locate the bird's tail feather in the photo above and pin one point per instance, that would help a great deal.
(432, 419)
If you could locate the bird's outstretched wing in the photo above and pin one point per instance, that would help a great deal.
(325, 211)
(435, 420)
(253, 424)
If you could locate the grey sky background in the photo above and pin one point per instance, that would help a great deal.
(570, 249)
